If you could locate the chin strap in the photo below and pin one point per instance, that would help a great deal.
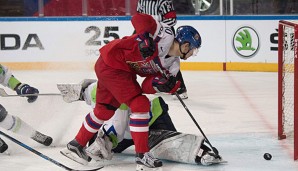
(184, 54)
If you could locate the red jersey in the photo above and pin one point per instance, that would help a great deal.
(124, 54)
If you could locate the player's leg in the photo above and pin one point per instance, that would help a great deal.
(130, 93)
(3, 146)
(105, 107)
(139, 127)
(160, 119)
(160, 116)
(109, 135)
(91, 125)
(17, 125)
(3, 114)
(123, 145)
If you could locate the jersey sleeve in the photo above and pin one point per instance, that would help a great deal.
(143, 23)
(146, 23)
(90, 94)
(7, 79)
(147, 87)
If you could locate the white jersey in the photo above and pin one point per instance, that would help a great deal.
(171, 63)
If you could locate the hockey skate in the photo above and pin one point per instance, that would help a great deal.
(146, 161)
(209, 158)
(3, 146)
(76, 152)
(42, 139)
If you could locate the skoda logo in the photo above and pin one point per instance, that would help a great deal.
(246, 42)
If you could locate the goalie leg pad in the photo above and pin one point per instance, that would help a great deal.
(175, 146)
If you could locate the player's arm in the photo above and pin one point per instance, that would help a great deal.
(147, 30)
(17, 125)
(158, 84)
(143, 23)
(8, 80)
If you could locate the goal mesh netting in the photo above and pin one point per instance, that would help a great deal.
(288, 82)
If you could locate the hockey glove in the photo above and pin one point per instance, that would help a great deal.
(169, 85)
(23, 89)
(146, 45)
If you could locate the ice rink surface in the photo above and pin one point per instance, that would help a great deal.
(236, 110)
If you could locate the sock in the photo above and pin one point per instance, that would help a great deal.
(139, 127)
(89, 127)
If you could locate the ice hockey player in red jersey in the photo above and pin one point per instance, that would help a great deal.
(151, 49)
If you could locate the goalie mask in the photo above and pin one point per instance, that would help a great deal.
(188, 34)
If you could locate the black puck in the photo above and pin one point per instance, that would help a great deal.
(267, 156)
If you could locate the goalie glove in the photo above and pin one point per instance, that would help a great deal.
(22, 89)
(170, 85)
(75, 92)
(146, 45)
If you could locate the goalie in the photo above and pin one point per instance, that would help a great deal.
(114, 137)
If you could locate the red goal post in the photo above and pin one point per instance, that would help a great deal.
(288, 82)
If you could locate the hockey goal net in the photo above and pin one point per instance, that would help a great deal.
(288, 82)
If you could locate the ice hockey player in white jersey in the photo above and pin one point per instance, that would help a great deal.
(164, 140)
(163, 11)
(14, 123)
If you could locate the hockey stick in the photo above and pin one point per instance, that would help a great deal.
(44, 156)
(191, 116)
(196, 123)
(4, 94)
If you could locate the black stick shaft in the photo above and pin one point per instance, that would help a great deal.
(35, 151)
(196, 123)
(191, 116)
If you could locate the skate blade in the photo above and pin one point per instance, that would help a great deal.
(73, 156)
(217, 162)
(144, 168)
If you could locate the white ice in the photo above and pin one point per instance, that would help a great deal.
(236, 110)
